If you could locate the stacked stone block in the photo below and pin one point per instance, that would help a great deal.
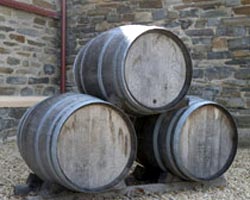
(29, 51)
(9, 119)
(216, 32)
(29, 59)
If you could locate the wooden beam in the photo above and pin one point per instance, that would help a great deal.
(29, 8)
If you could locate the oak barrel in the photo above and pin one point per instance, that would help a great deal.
(197, 142)
(142, 69)
(78, 141)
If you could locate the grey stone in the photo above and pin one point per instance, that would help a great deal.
(17, 113)
(7, 134)
(214, 14)
(230, 91)
(34, 43)
(218, 55)
(2, 36)
(40, 21)
(207, 92)
(31, 49)
(189, 13)
(7, 90)
(172, 24)
(217, 73)
(27, 91)
(53, 23)
(239, 43)
(186, 23)
(241, 61)
(198, 73)
(200, 23)
(247, 90)
(243, 74)
(236, 102)
(25, 63)
(202, 40)
(83, 20)
(2, 19)
(36, 65)
(4, 112)
(10, 44)
(236, 21)
(113, 18)
(16, 80)
(213, 22)
(233, 2)
(50, 51)
(7, 123)
(81, 29)
(2, 79)
(34, 80)
(200, 32)
(195, 90)
(235, 83)
(210, 92)
(49, 91)
(172, 14)
(200, 52)
(55, 81)
(49, 69)
(143, 17)
(231, 31)
(150, 4)
(199, 55)
(6, 28)
(13, 61)
(38, 88)
(159, 14)
(28, 31)
(124, 9)
(52, 40)
(97, 19)
(244, 137)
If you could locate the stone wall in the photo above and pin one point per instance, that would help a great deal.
(9, 119)
(29, 51)
(216, 32)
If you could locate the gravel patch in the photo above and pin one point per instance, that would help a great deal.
(14, 171)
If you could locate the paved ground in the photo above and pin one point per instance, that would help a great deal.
(13, 171)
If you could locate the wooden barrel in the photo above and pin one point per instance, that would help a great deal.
(142, 69)
(78, 141)
(197, 142)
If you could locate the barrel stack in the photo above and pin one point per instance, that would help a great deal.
(87, 142)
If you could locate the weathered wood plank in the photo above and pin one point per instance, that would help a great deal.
(155, 69)
(94, 146)
(206, 142)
